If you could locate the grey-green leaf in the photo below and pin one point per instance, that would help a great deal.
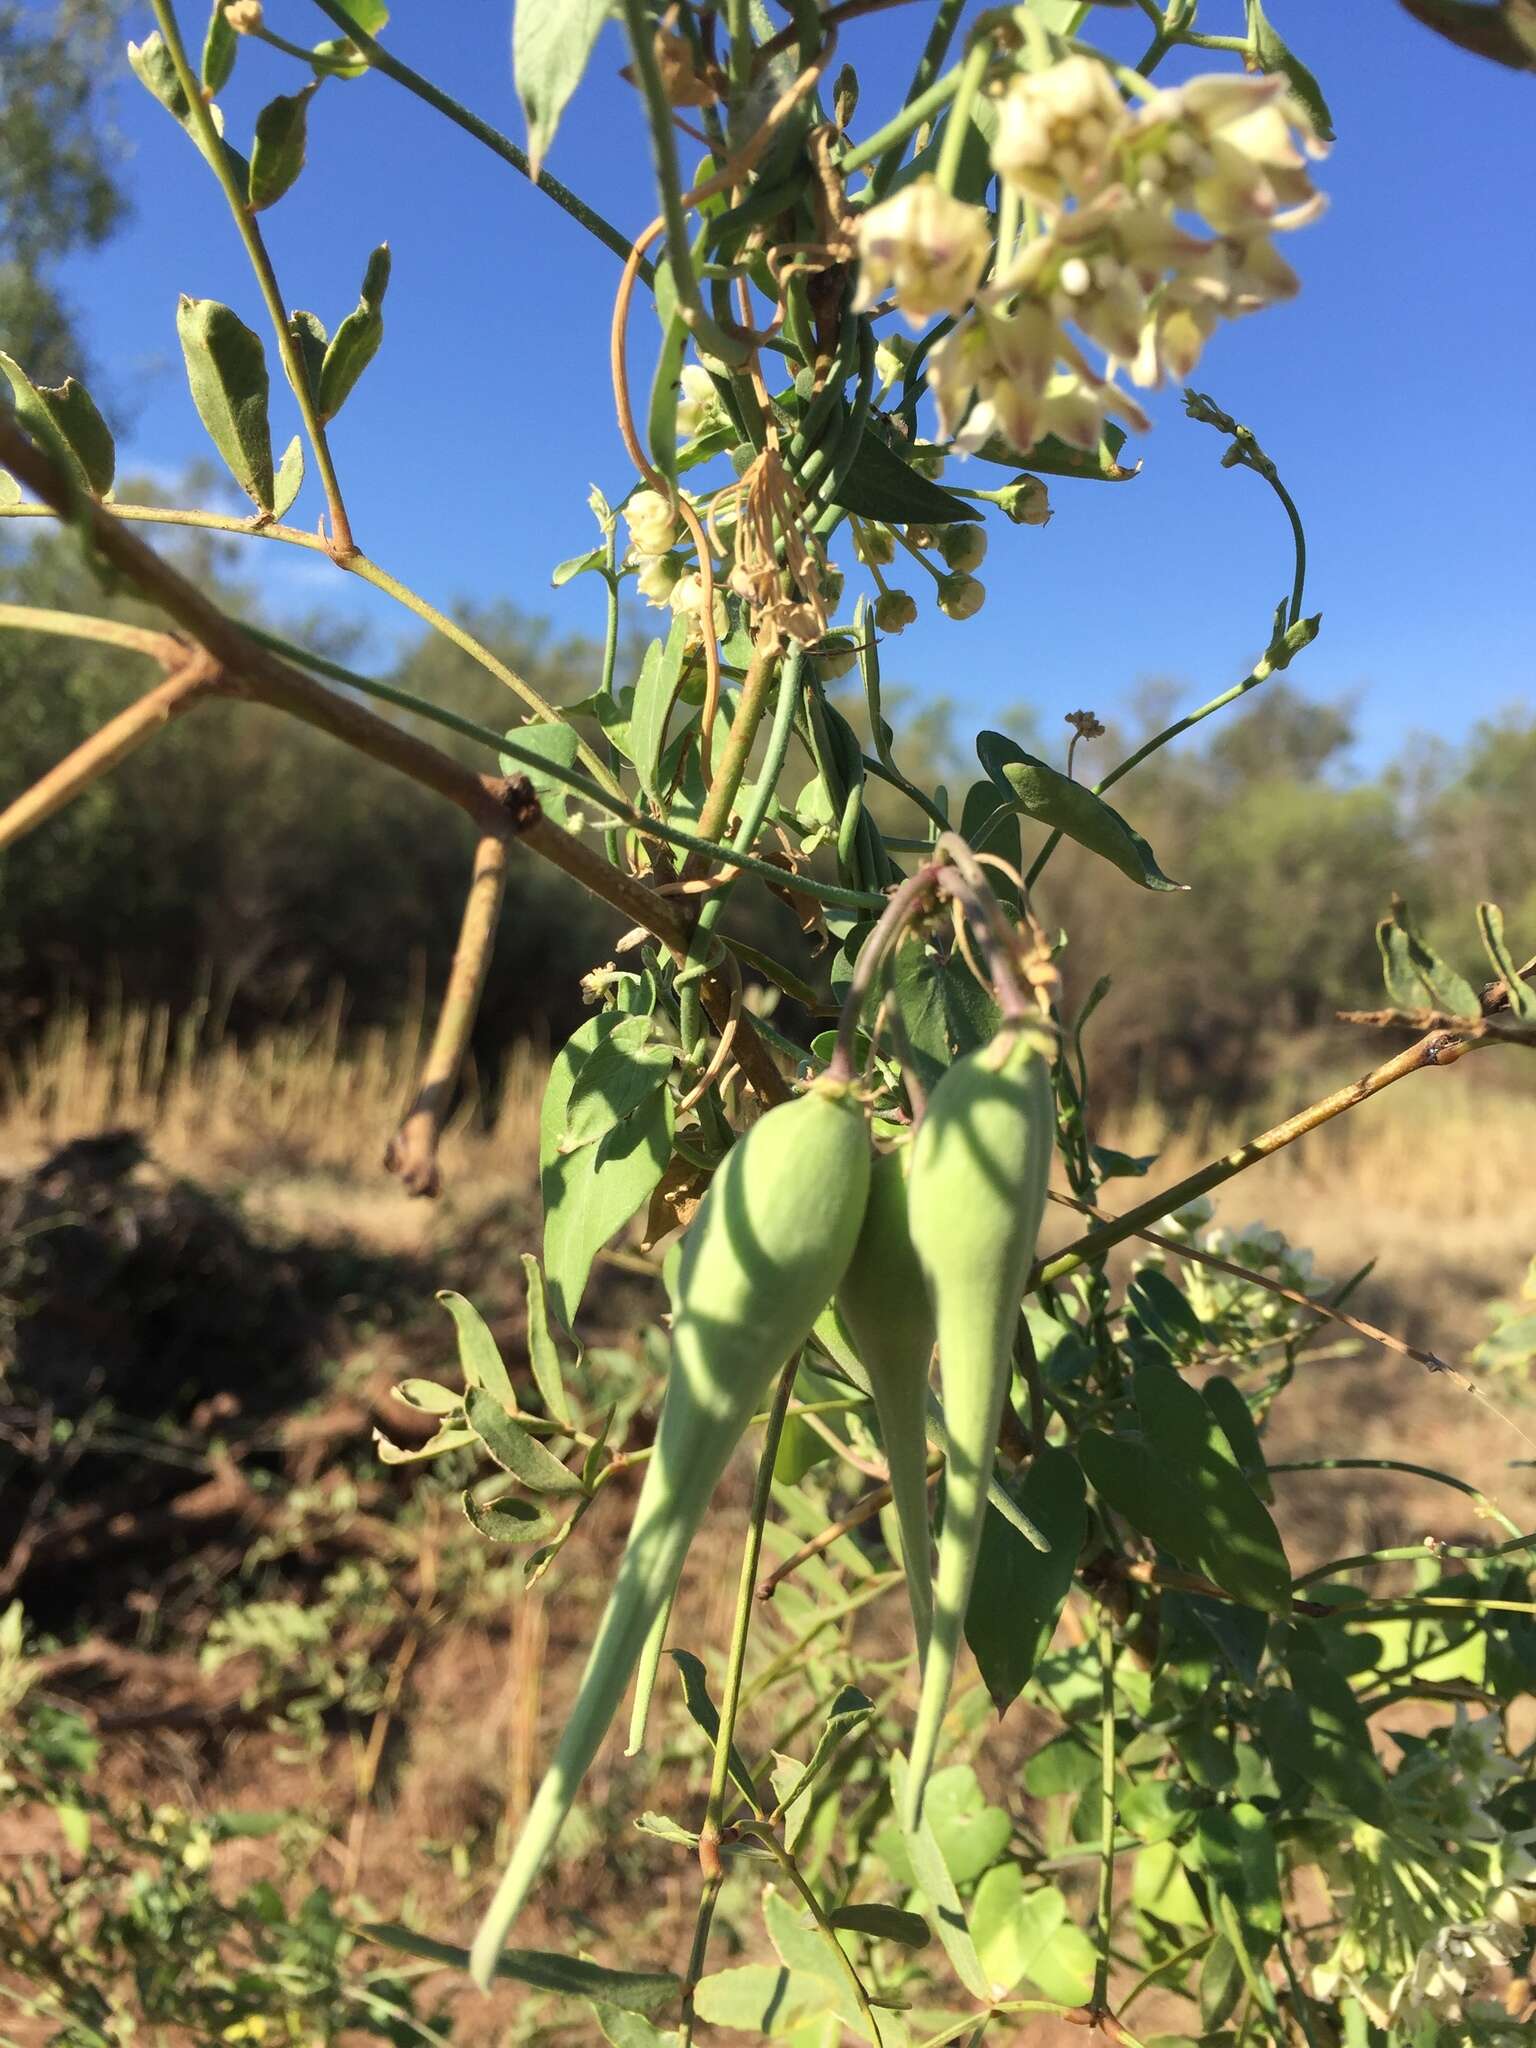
(69, 411)
(1275, 55)
(290, 477)
(1522, 997)
(938, 1887)
(1019, 1592)
(277, 153)
(627, 1067)
(227, 372)
(220, 45)
(542, 1355)
(152, 66)
(1054, 799)
(514, 1449)
(703, 1711)
(551, 44)
(884, 1923)
(511, 1520)
(661, 428)
(308, 331)
(555, 743)
(643, 1991)
(480, 1358)
(1415, 975)
(759, 1998)
(356, 341)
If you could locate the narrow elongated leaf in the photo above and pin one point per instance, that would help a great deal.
(1236, 1849)
(879, 485)
(1522, 997)
(1415, 975)
(1054, 457)
(220, 46)
(1051, 798)
(227, 372)
(356, 341)
(591, 1192)
(542, 1354)
(849, 1711)
(643, 1991)
(1019, 1592)
(655, 696)
(701, 1707)
(1317, 1737)
(69, 411)
(1237, 1426)
(480, 1358)
(1502, 30)
(551, 44)
(1274, 54)
(277, 153)
(938, 1887)
(290, 477)
(884, 1923)
(515, 1449)
(308, 331)
(661, 428)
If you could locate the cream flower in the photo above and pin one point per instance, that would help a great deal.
(687, 600)
(928, 248)
(895, 610)
(652, 523)
(1225, 146)
(658, 578)
(1056, 130)
(1099, 264)
(988, 376)
(700, 405)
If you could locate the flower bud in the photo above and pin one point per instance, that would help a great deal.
(895, 610)
(1026, 501)
(875, 545)
(834, 658)
(891, 359)
(687, 597)
(961, 597)
(964, 547)
(245, 17)
(923, 536)
(659, 575)
(652, 523)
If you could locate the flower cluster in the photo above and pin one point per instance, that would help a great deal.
(1104, 259)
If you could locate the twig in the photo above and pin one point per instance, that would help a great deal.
(863, 1510)
(412, 1152)
(197, 676)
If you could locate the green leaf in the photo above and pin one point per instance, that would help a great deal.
(630, 2029)
(1160, 1886)
(655, 696)
(1522, 997)
(1051, 798)
(1164, 1310)
(642, 1991)
(970, 1834)
(590, 1193)
(944, 1007)
(428, 1397)
(1221, 1984)
(542, 1354)
(1030, 1934)
(661, 421)
(1502, 30)
(884, 1923)
(849, 1711)
(1019, 1592)
(1053, 457)
(454, 1438)
(1275, 55)
(227, 372)
(1416, 977)
(574, 565)
(1235, 1846)
(153, 67)
(1182, 1488)
(514, 1449)
(356, 341)
(290, 477)
(277, 153)
(551, 44)
(933, 1879)
(757, 1998)
(555, 742)
(1235, 1418)
(308, 331)
(65, 414)
(220, 45)
(624, 1069)
(1316, 1735)
(880, 485)
(480, 1358)
(510, 1519)
(10, 490)
(701, 1707)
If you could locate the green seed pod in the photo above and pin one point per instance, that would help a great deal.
(980, 1165)
(764, 1253)
(884, 1304)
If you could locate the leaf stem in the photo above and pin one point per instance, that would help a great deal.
(212, 145)
(791, 1870)
(381, 59)
(945, 21)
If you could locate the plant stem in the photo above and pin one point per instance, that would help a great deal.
(26, 618)
(913, 115)
(261, 263)
(791, 1870)
(972, 71)
(1106, 1634)
(380, 59)
(945, 21)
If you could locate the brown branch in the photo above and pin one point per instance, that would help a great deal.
(195, 675)
(498, 808)
(412, 1152)
(863, 1509)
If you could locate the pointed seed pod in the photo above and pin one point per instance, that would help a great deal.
(884, 1304)
(981, 1162)
(759, 1263)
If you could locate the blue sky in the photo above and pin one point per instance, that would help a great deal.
(1396, 394)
